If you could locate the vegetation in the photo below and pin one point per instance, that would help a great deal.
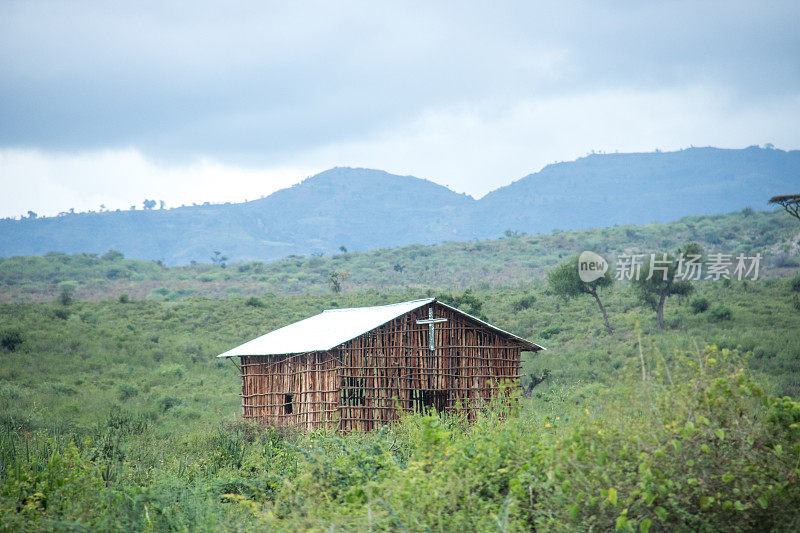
(564, 280)
(658, 280)
(451, 266)
(115, 414)
(789, 202)
(119, 417)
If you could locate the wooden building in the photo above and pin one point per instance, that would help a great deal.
(356, 368)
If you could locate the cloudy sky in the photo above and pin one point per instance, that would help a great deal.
(110, 103)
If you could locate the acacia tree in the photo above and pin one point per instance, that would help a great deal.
(336, 278)
(219, 259)
(790, 202)
(660, 278)
(565, 281)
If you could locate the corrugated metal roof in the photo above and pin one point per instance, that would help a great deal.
(324, 331)
(333, 327)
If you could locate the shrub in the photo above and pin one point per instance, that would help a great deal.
(784, 260)
(711, 454)
(171, 370)
(523, 302)
(112, 255)
(10, 339)
(65, 297)
(9, 392)
(254, 302)
(699, 304)
(116, 273)
(794, 283)
(161, 291)
(124, 299)
(168, 402)
(67, 289)
(90, 317)
(720, 312)
(546, 333)
(126, 391)
(63, 389)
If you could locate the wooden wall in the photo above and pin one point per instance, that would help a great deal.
(291, 390)
(363, 385)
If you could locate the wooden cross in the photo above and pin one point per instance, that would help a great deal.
(431, 321)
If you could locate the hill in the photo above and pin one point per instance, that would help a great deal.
(608, 189)
(513, 259)
(359, 207)
(367, 209)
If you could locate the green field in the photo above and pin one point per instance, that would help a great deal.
(116, 415)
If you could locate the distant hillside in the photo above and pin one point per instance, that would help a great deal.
(358, 208)
(365, 209)
(510, 261)
(606, 189)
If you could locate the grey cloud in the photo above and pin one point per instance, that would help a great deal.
(260, 80)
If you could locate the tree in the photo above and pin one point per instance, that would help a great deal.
(565, 281)
(162, 204)
(790, 202)
(112, 255)
(32, 214)
(343, 249)
(149, 204)
(336, 278)
(65, 297)
(219, 259)
(659, 279)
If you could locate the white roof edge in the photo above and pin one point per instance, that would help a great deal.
(421, 301)
(405, 306)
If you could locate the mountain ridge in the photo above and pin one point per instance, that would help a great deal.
(366, 208)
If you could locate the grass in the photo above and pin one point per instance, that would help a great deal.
(116, 416)
(517, 259)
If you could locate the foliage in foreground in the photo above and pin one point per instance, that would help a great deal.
(696, 445)
(114, 415)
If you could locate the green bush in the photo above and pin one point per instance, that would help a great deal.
(794, 283)
(171, 370)
(112, 255)
(11, 338)
(126, 391)
(720, 312)
(168, 402)
(699, 304)
(523, 302)
(254, 302)
(61, 313)
(711, 453)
